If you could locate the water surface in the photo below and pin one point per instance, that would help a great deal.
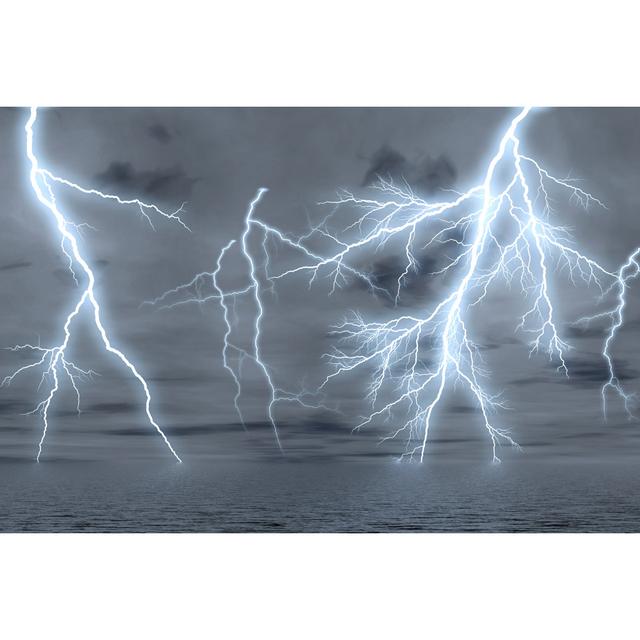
(327, 496)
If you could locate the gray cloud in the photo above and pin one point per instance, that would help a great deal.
(581, 332)
(425, 174)
(171, 183)
(14, 407)
(384, 274)
(584, 372)
(594, 370)
(113, 408)
(14, 266)
(160, 133)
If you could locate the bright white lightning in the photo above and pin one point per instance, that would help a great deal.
(499, 228)
(255, 287)
(53, 361)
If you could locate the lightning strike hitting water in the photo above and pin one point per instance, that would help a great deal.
(53, 361)
(499, 229)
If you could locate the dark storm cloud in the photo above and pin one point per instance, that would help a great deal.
(586, 435)
(384, 274)
(578, 332)
(424, 175)
(435, 445)
(16, 459)
(385, 163)
(26, 459)
(64, 276)
(462, 409)
(419, 282)
(10, 407)
(629, 429)
(196, 429)
(113, 408)
(433, 174)
(326, 426)
(14, 266)
(489, 346)
(287, 430)
(631, 325)
(181, 379)
(171, 183)
(454, 440)
(495, 343)
(532, 380)
(587, 372)
(185, 430)
(64, 413)
(159, 132)
(594, 371)
(537, 444)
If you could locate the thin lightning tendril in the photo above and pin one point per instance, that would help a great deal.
(53, 361)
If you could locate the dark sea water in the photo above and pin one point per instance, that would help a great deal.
(341, 496)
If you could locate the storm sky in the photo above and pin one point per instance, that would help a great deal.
(215, 160)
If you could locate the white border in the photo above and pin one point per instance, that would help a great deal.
(335, 52)
(310, 586)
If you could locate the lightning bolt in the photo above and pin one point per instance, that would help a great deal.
(53, 361)
(499, 229)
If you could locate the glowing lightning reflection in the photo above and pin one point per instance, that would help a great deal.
(53, 361)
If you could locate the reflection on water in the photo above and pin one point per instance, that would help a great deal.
(376, 496)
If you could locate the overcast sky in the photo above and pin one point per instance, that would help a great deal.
(214, 160)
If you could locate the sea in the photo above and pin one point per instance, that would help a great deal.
(378, 495)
